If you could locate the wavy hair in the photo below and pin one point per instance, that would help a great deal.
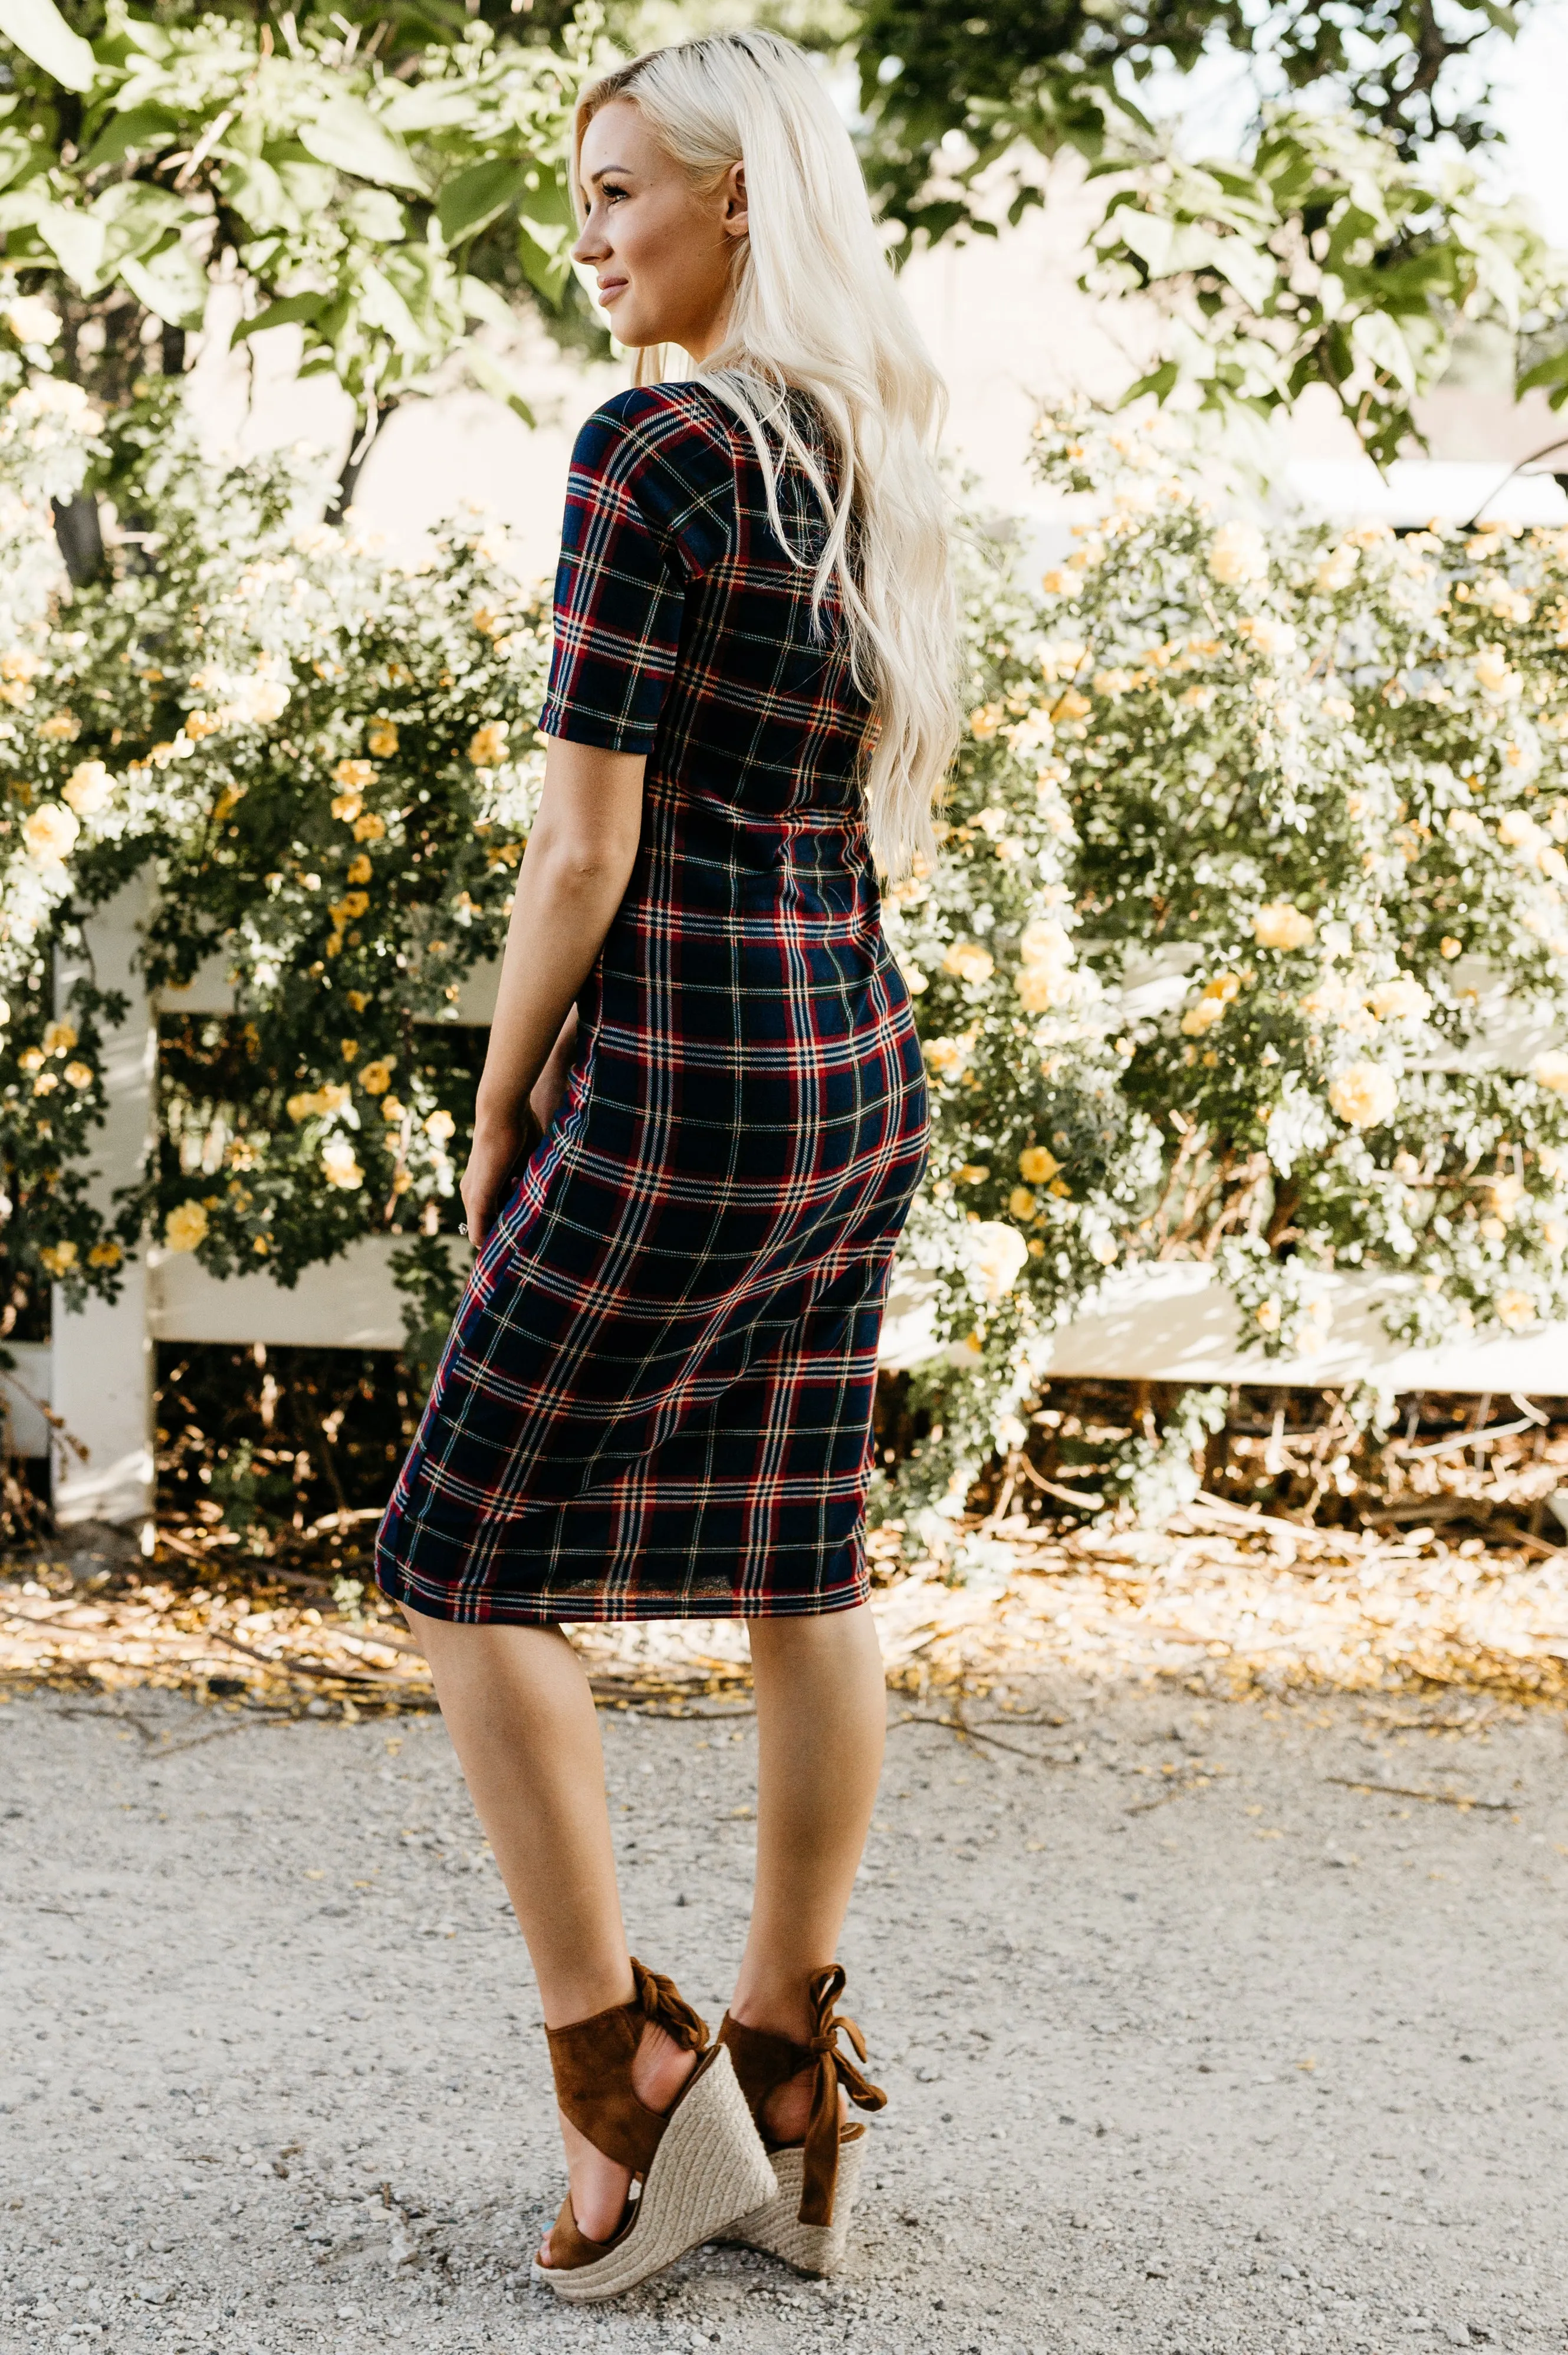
(815, 311)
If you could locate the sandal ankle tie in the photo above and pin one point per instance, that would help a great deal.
(820, 2162)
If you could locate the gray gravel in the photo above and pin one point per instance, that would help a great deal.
(1229, 2057)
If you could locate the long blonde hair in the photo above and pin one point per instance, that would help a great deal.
(815, 311)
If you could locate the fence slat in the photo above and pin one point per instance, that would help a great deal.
(101, 1378)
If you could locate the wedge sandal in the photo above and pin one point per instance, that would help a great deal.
(695, 2168)
(807, 2221)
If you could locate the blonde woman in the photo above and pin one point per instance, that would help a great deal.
(701, 1120)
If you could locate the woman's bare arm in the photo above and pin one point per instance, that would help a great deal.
(572, 879)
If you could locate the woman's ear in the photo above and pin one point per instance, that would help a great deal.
(735, 220)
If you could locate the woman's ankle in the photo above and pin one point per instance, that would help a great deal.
(660, 2067)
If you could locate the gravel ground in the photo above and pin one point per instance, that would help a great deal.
(1189, 2044)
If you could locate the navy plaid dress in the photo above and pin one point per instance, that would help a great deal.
(656, 1400)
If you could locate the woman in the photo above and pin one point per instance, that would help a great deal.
(700, 1123)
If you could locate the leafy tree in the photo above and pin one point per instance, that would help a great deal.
(950, 89)
(383, 183)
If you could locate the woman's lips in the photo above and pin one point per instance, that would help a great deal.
(609, 288)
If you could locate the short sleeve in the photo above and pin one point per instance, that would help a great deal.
(619, 594)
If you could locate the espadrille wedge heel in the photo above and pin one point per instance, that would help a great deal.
(698, 2165)
(807, 2221)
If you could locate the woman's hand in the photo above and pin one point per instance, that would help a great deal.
(549, 1088)
(499, 1148)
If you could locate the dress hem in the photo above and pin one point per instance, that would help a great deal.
(486, 1608)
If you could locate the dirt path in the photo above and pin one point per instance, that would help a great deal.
(1189, 2045)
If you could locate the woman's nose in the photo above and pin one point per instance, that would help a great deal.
(591, 243)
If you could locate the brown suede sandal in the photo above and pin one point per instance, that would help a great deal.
(806, 2222)
(700, 2165)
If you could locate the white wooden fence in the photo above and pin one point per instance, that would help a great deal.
(86, 1397)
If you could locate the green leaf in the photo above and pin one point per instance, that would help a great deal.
(41, 33)
(172, 284)
(473, 199)
(76, 240)
(1551, 371)
(135, 217)
(123, 135)
(253, 190)
(492, 377)
(377, 215)
(293, 309)
(1378, 339)
(23, 208)
(482, 302)
(1251, 270)
(346, 133)
(381, 305)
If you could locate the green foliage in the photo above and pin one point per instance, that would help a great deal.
(1325, 259)
(330, 758)
(1253, 831)
(954, 94)
(381, 212)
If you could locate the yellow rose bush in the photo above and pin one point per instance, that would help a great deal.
(51, 1090)
(281, 719)
(1255, 824)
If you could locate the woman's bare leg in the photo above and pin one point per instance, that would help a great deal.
(821, 1722)
(522, 1721)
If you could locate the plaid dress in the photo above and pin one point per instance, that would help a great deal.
(655, 1399)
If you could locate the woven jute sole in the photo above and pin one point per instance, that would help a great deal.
(776, 2226)
(708, 2168)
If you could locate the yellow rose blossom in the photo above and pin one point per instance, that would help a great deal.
(104, 1254)
(345, 807)
(1515, 1309)
(1401, 1000)
(441, 1127)
(391, 1108)
(1281, 925)
(59, 1038)
(1021, 1203)
(969, 962)
(185, 1227)
(971, 1173)
(339, 1166)
(1363, 1095)
(1000, 1255)
(369, 828)
(1494, 676)
(89, 787)
(60, 727)
(487, 745)
(1449, 947)
(1238, 553)
(360, 871)
(381, 736)
(1267, 1315)
(32, 320)
(78, 1075)
(1551, 1070)
(355, 776)
(350, 1049)
(51, 834)
(1035, 1165)
(944, 1055)
(1202, 1017)
(375, 1078)
(1336, 571)
(46, 1083)
(59, 1257)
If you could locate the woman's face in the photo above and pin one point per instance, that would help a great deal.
(663, 253)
